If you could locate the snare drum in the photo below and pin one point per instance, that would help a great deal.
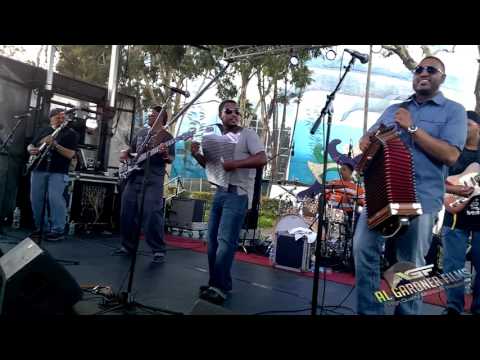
(333, 214)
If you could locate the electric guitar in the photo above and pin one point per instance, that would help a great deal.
(128, 167)
(469, 177)
(33, 160)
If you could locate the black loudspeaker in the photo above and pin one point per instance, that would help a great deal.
(292, 254)
(251, 218)
(202, 307)
(33, 283)
(186, 211)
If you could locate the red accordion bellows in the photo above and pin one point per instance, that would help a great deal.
(387, 167)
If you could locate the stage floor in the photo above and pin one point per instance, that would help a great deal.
(174, 284)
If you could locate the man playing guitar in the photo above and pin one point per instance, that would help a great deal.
(49, 175)
(458, 227)
(152, 224)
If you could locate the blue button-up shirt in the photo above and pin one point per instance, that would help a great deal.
(443, 119)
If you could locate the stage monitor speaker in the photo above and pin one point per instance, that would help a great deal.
(185, 211)
(292, 254)
(33, 283)
(202, 307)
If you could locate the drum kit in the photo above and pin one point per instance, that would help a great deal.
(337, 235)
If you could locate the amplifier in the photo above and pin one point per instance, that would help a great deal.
(184, 212)
(94, 200)
(291, 254)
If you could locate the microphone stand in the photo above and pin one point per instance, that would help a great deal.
(4, 152)
(3, 149)
(327, 110)
(126, 300)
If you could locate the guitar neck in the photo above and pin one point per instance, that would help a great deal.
(155, 150)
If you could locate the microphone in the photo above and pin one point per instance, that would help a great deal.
(21, 116)
(293, 150)
(177, 90)
(362, 57)
(350, 149)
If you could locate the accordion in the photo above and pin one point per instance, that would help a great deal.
(387, 167)
(216, 149)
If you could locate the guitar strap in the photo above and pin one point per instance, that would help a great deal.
(454, 222)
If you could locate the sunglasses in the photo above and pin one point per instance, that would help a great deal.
(430, 69)
(228, 111)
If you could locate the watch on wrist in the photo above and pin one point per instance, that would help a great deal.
(412, 129)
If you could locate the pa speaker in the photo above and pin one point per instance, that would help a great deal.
(33, 283)
(185, 211)
(202, 307)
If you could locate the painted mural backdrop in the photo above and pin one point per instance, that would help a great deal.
(389, 84)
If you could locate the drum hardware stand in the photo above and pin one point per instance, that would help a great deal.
(327, 110)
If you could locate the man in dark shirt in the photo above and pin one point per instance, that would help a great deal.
(457, 228)
(50, 177)
(153, 202)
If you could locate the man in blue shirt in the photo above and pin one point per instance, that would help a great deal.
(434, 128)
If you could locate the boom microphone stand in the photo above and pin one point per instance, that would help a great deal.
(126, 299)
(327, 110)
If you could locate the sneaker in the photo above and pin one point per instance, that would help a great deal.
(54, 237)
(121, 252)
(213, 295)
(158, 258)
(203, 288)
(35, 236)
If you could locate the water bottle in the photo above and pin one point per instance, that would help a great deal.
(16, 218)
(272, 253)
(71, 228)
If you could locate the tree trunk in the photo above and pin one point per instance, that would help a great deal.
(403, 54)
(263, 106)
(245, 75)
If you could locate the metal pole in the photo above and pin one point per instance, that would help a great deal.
(48, 85)
(113, 76)
(367, 92)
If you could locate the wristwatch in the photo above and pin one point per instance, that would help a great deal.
(412, 129)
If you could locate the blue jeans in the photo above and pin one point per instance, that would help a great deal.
(412, 246)
(454, 249)
(226, 220)
(56, 207)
